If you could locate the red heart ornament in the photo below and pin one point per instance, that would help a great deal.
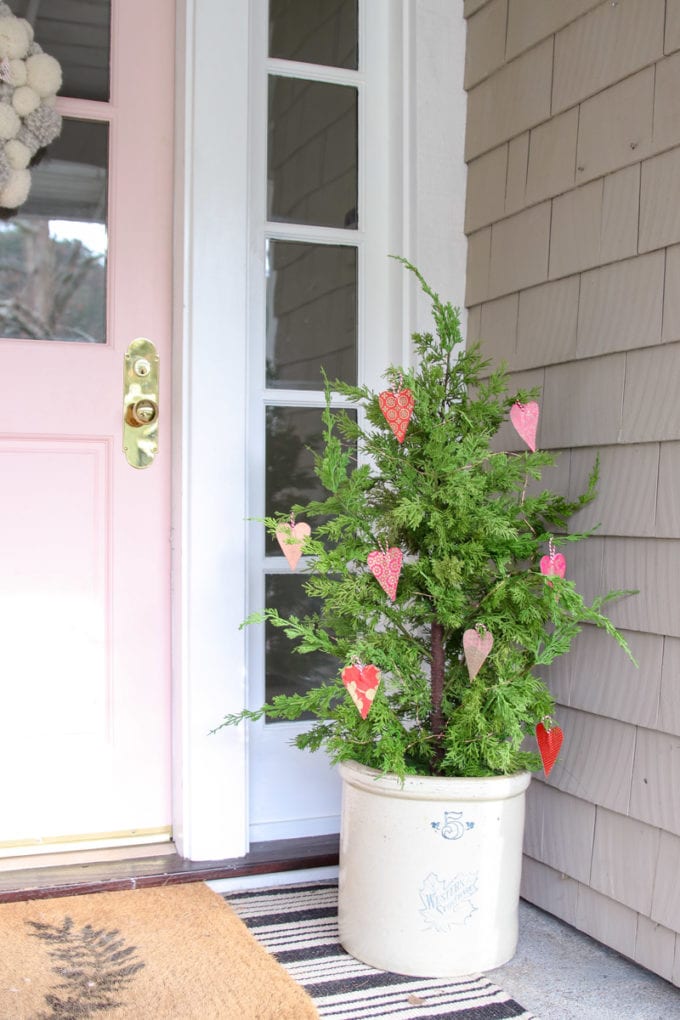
(549, 744)
(361, 683)
(386, 568)
(525, 419)
(554, 565)
(291, 538)
(397, 408)
(476, 646)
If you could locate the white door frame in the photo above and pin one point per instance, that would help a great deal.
(211, 287)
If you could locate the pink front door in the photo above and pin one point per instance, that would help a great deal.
(85, 537)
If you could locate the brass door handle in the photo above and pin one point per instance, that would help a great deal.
(142, 412)
(140, 403)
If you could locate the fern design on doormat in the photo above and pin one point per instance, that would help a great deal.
(95, 965)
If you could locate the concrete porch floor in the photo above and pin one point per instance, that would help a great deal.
(559, 973)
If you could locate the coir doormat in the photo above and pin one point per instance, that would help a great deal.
(177, 952)
(299, 924)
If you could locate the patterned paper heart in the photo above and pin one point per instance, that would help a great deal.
(291, 538)
(553, 565)
(397, 408)
(476, 645)
(362, 683)
(549, 744)
(386, 568)
(525, 419)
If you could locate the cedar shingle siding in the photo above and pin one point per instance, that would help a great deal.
(573, 222)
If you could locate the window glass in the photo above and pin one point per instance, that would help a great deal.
(311, 314)
(78, 34)
(53, 252)
(314, 31)
(285, 671)
(312, 153)
(294, 434)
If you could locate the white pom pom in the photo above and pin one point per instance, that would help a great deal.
(17, 70)
(18, 154)
(44, 74)
(29, 29)
(16, 190)
(14, 38)
(9, 121)
(25, 100)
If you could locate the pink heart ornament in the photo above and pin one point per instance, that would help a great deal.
(524, 417)
(476, 646)
(386, 568)
(397, 409)
(362, 684)
(291, 538)
(553, 566)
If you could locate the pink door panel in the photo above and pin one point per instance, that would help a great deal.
(85, 538)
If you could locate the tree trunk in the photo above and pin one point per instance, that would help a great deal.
(437, 691)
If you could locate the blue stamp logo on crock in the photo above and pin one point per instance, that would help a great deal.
(448, 902)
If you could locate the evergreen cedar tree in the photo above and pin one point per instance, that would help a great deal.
(472, 525)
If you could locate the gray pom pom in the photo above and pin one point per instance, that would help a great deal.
(5, 169)
(44, 123)
(28, 139)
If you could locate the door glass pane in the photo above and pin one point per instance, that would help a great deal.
(53, 253)
(315, 31)
(78, 34)
(285, 671)
(311, 314)
(312, 153)
(293, 434)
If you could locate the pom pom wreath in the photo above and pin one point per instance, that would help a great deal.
(14, 38)
(16, 190)
(25, 100)
(17, 73)
(29, 82)
(44, 74)
(18, 155)
(9, 122)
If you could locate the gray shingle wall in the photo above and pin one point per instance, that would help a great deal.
(573, 222)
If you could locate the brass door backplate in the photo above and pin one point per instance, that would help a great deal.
(140, 403)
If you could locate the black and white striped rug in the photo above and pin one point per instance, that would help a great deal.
(299, 925)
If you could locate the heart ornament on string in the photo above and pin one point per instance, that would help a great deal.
(362, 684)
(397, 406)
(291, 537)
(385, 565)
(549, 743)
(477, 643)
(524, 417)
(554, 564)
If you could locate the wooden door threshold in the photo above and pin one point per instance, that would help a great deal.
(168, 869)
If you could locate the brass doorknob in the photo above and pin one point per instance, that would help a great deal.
(142, 412)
